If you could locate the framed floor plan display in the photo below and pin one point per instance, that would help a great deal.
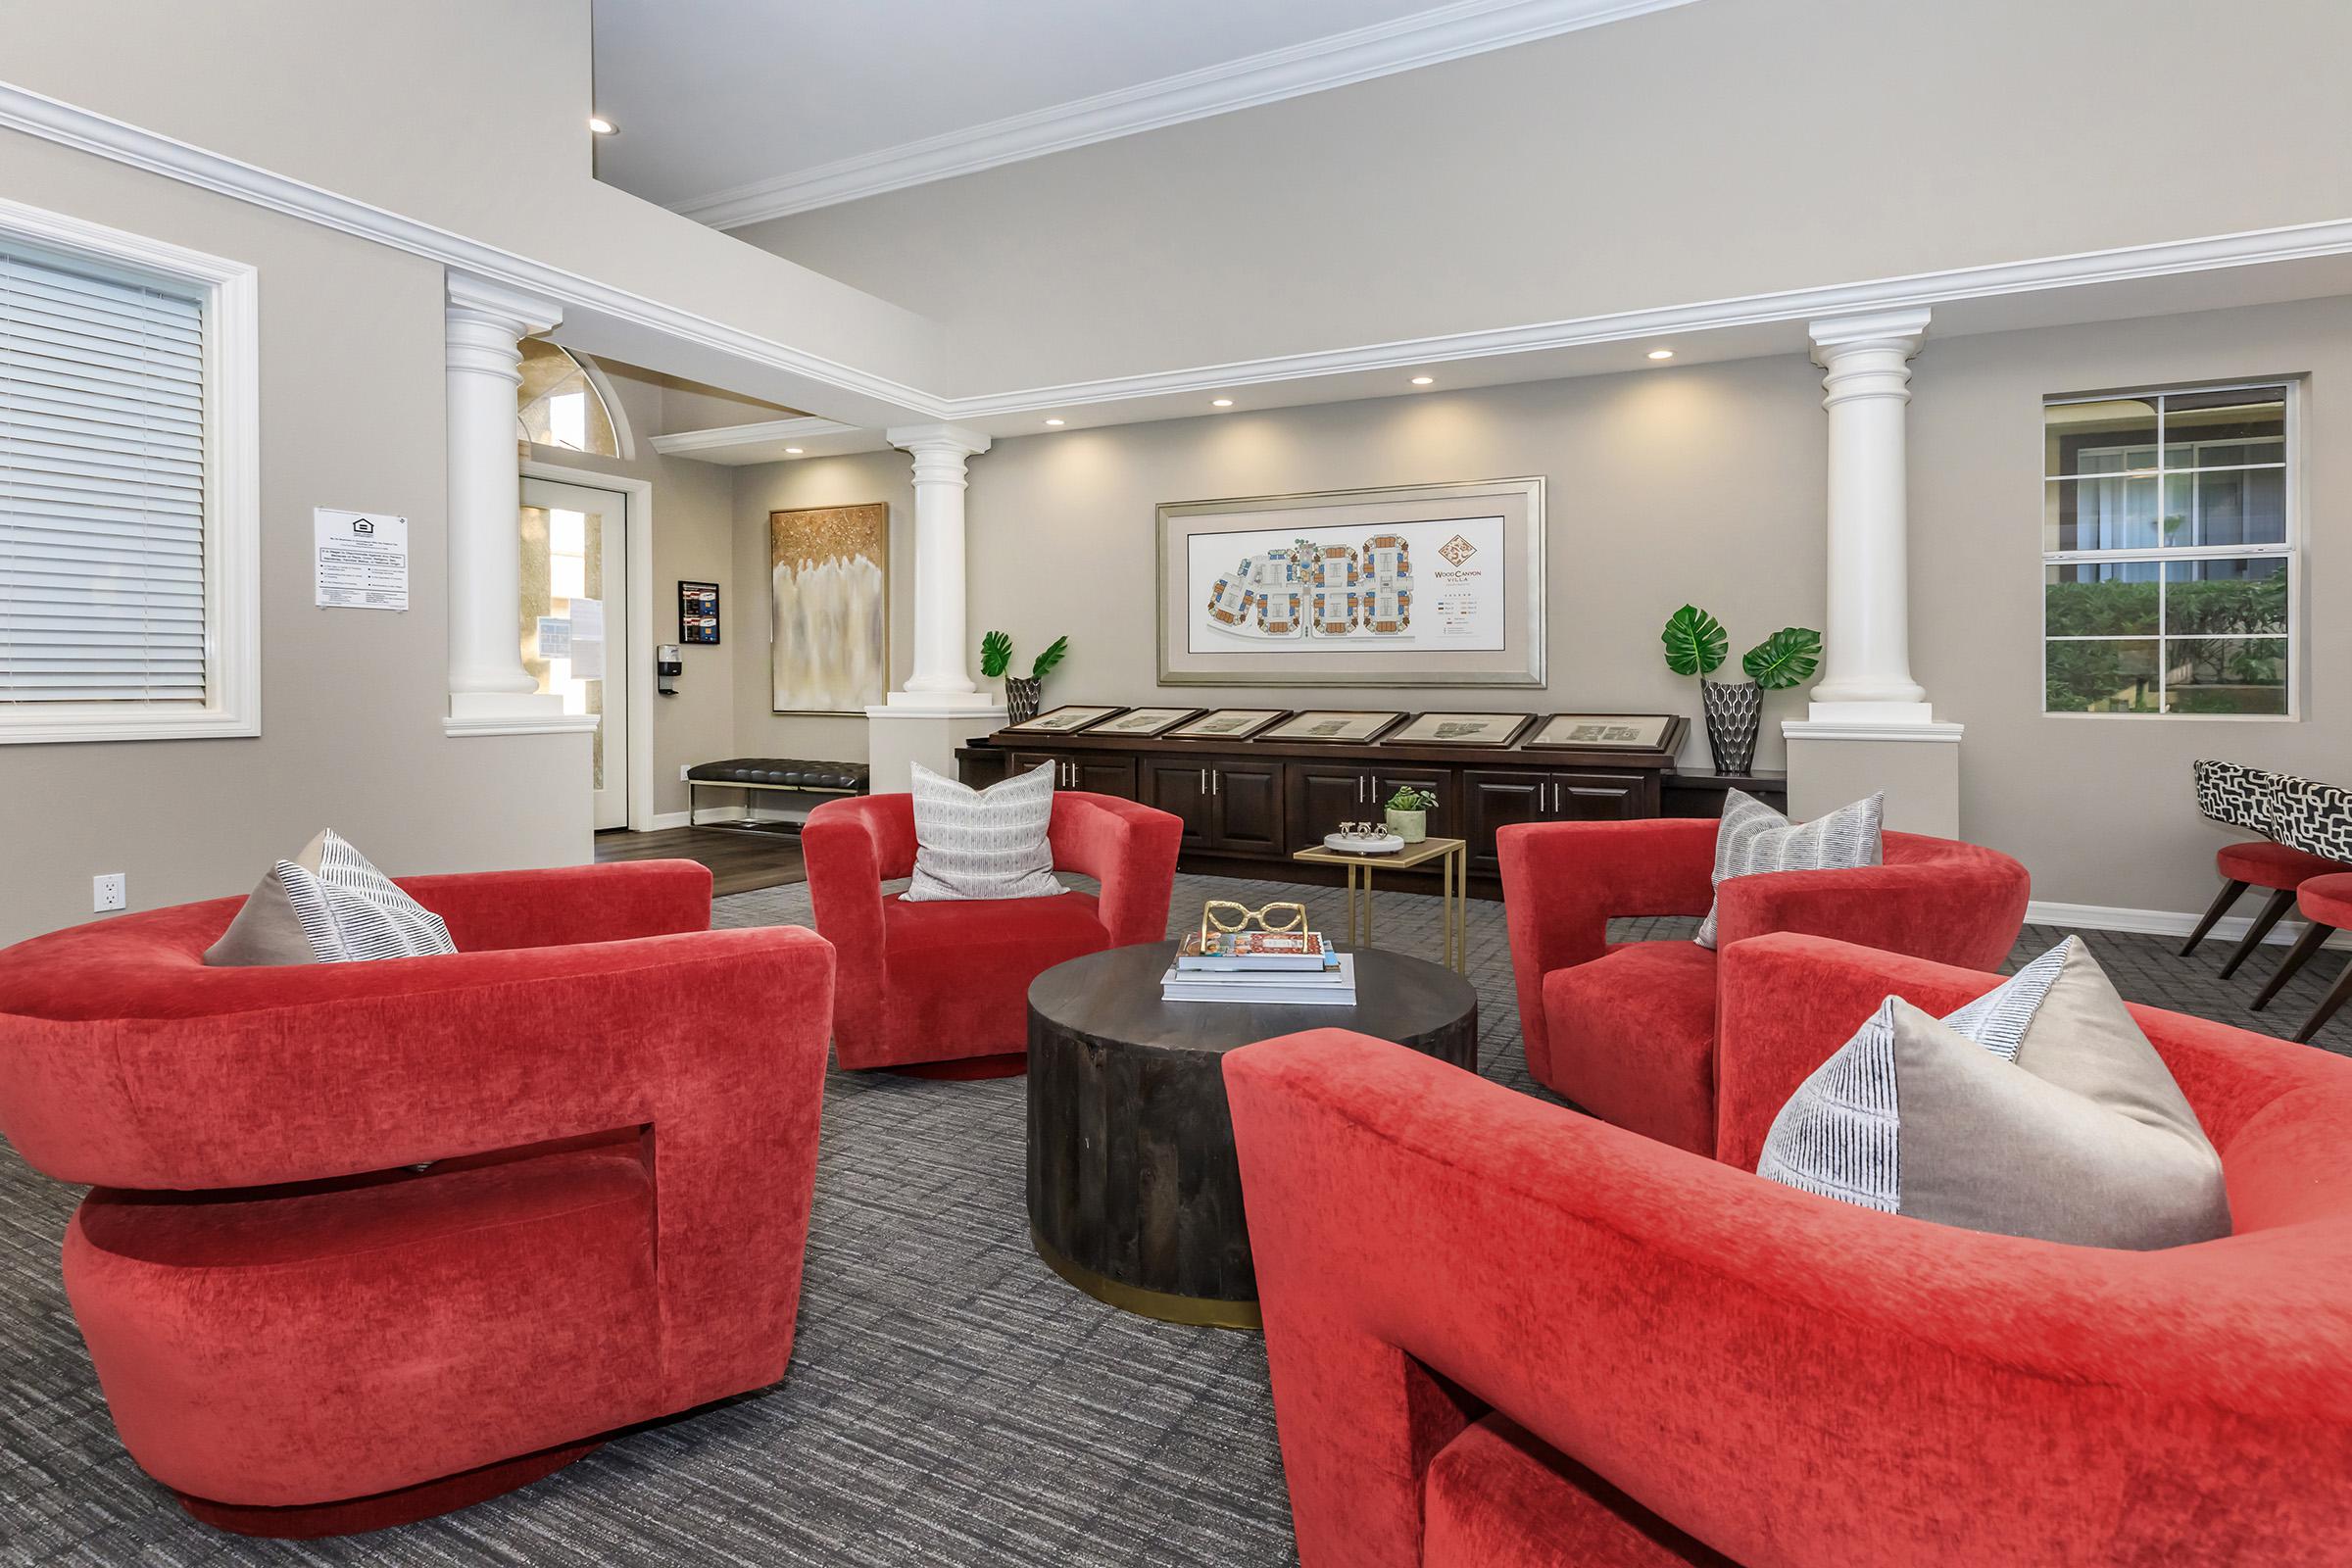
(1416, 585)
(1337, 726)
(1065, 720)
(1613, 731)
(1143, 722)
(1460, 729)
(1228, 724)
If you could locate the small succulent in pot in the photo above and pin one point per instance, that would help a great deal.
(1407, 812)
(1696, 643)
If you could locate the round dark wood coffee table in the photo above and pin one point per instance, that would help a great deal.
(1135, 1195)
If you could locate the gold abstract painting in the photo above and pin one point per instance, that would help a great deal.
(829, 572)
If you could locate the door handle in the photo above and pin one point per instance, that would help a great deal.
(1213, 787)
(1204, 781)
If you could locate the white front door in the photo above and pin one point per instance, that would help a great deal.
(574, 620)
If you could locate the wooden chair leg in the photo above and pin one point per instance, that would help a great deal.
(2214, 912)
(2327, 1009)
(2282, 900)
(2314, 935)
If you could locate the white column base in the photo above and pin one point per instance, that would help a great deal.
(513, 713)
(1916, 767)
(921, 729)
(1909, 714)
(913, 704)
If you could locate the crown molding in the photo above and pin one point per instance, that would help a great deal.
(86, 131)
(1915, 291)
(1406, 44)
(767, 433)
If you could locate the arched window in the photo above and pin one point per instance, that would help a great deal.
(558, 403)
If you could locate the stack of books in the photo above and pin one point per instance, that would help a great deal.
(1296, 968)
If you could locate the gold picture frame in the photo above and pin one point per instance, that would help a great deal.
(1334, 726)
(1606, 732)
(1460, 729)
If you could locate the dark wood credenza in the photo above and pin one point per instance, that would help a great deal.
(1247, 805)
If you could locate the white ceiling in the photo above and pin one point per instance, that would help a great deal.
(782, 105)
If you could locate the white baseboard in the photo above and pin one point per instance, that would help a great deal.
(2160, 922)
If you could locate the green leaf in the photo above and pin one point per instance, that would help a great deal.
(1696, 642)
(1052, 656)
(1783, 658)
(995, 654)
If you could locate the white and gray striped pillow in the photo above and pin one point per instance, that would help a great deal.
(1756, 838)
(983, 844)
(329, 906)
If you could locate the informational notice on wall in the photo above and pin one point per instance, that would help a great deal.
(587, 639)
(363, 560)
(555, 637)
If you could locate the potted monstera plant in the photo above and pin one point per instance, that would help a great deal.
(1695, 644)
(1023, 694)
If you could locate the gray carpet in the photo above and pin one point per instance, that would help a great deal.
(950, 1402)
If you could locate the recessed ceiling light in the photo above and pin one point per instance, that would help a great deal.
(603, 126)
(1424, 380)
(1221, 403)
(792, 452)
(1661, 354)
(1053, 421)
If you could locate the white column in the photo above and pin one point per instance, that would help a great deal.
(1865, 657)
(1869, 726)
(490, 693)
(941, 677)
(939, 707)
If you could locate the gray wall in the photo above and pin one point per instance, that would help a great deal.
(1716, 150)
(1702, 483)
(2099, 808)
(352, 701)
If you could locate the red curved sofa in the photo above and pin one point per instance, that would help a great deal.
(948, 982)
(300, 1335)
(1529, 1338)
(1627, 1030)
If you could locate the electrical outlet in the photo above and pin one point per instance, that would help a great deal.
(683, 769)
(108, 892)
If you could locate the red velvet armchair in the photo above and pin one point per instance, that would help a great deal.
(301, 1334)
(944, 986)
(1627, 1030)
(1502, 1335)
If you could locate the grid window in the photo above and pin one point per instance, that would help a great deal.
(2168, 553)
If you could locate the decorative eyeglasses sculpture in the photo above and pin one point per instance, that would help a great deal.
(1225, 915)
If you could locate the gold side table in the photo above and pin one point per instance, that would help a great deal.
(1453, 857)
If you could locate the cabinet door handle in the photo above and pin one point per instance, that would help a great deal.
(1204, 781)
(1213, 787)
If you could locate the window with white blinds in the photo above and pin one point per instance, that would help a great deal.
(117, 581)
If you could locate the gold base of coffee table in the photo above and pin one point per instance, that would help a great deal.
(1198, 1311)
(1453, 901)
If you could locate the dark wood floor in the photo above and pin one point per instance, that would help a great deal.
(739, 861)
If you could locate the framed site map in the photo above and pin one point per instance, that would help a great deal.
(1418, 585)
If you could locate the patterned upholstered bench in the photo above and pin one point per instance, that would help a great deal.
(790, 781)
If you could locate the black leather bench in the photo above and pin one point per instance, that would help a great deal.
(797, 781)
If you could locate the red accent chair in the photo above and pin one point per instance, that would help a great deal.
(944, 986)
(1627, 1030)
(301, 1334)
(1529, 1338)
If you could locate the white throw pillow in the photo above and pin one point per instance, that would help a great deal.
(2039, 1110)
(994, 842)
(1756, 838)
(329, 906)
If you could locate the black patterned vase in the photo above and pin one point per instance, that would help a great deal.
(1735, 713)
(1021, 696)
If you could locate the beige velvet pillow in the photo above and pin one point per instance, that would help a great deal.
(2039, 1110)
